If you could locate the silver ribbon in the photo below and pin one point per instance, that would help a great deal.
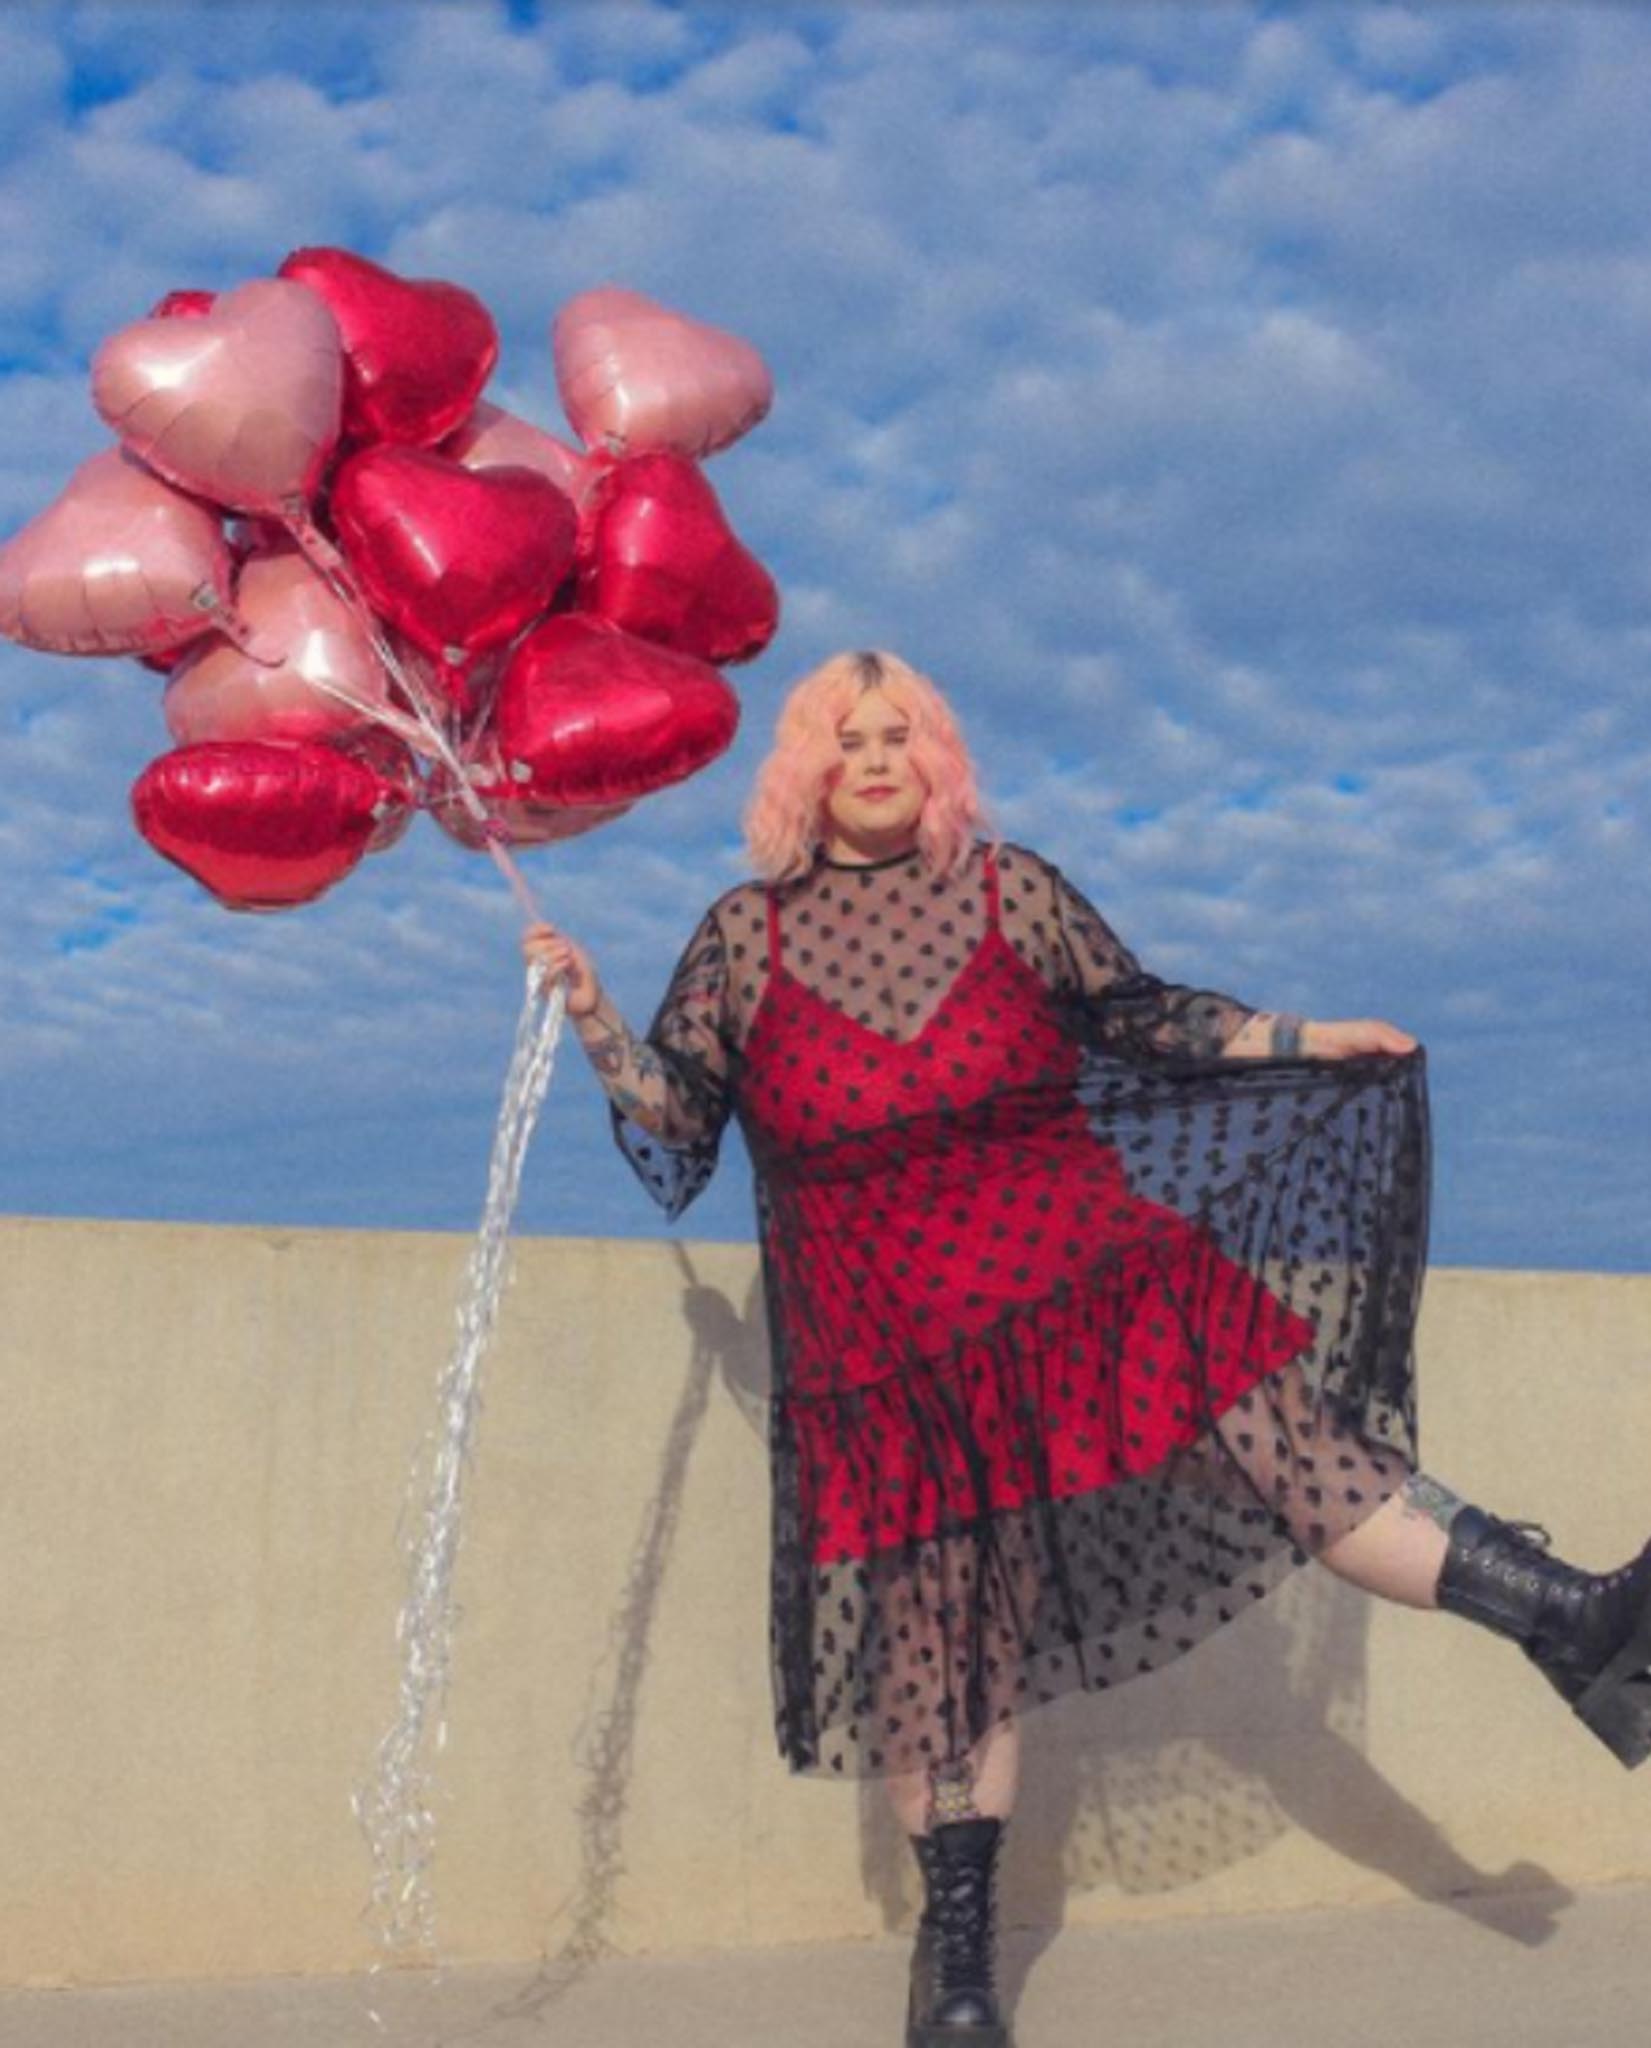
(393, 1808)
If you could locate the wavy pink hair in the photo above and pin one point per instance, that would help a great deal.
(785, 820)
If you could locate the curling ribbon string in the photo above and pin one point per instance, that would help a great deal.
(394, 1809)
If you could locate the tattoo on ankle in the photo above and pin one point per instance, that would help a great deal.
(952, 1793)
(1427, 1499)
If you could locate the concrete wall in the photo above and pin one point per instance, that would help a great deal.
(209, 1432)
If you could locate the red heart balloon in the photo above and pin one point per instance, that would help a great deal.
(417, 351)
(661, 560)
(262, 824)
(526, 822)
(386, 756)
(588, 714)
(458, 560)
(183, 305)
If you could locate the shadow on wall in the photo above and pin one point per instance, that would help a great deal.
(1132, 1790)
(732, 1348)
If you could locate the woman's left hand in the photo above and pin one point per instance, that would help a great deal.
(1347, 1037)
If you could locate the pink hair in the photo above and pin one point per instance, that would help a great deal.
(785, 819)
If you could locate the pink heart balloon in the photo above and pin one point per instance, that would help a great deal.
(661, 560)
(121, 563)
(635, 376)
(587, 714)
(219, 693)
(240, 404)
(417, 350)
(495, 439)
(263, 824)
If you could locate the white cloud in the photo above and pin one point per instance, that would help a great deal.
(1257, 394)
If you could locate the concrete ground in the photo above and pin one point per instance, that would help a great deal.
(1528, 1972)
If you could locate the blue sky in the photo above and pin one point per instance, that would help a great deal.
(1244, 411)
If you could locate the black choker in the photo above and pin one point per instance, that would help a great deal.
(866, 867)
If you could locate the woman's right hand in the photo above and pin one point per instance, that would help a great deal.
(562, 959)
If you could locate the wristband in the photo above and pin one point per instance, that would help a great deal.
(1286, 1037)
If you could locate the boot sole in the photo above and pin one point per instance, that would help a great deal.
(1616, 1705)
(919, 2035)
(956, 2037)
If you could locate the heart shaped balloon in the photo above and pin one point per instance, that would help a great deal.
(588, 714)
(492, 439)
(120, 563)
(240, 404)
(661, 560)
(417, 351)
(183, 305)
(262, 824)
(327, 680)
(248, 537)
(634, 376)
(526, 822)
(458, 560)
(389, 758)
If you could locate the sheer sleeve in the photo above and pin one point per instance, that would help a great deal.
(1124, 1009)
(675, 1087)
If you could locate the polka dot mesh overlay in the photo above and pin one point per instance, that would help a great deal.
(1083, 1335)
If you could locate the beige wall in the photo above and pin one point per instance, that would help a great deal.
(208, 1435)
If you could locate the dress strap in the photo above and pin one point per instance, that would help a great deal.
(989, 872)
(773, 896)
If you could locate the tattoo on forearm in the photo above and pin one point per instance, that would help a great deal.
(1426, 1499)
(671, 1082)
(628, 1067)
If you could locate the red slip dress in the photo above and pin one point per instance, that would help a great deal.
(978, 1313)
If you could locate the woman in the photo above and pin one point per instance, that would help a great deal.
(1090, 1296)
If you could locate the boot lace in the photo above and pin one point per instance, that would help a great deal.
(962, 1926)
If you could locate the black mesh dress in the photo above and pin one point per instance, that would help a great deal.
(1082, 1333)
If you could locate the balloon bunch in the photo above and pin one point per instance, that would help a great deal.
(372, 591)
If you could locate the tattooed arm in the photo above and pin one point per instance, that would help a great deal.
(672, 1084)
(629, 1068)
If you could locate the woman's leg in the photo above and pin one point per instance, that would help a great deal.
(1321, 1480)
(981, 1786)
(955, 1815)
(1400, 1550)
(1589, 1633)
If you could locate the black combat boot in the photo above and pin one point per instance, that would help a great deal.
(952, 2000)
(1589, 1633)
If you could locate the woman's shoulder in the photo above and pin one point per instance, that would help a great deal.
(741, 904)
(1013, 859)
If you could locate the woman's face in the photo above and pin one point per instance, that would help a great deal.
(874, 796)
